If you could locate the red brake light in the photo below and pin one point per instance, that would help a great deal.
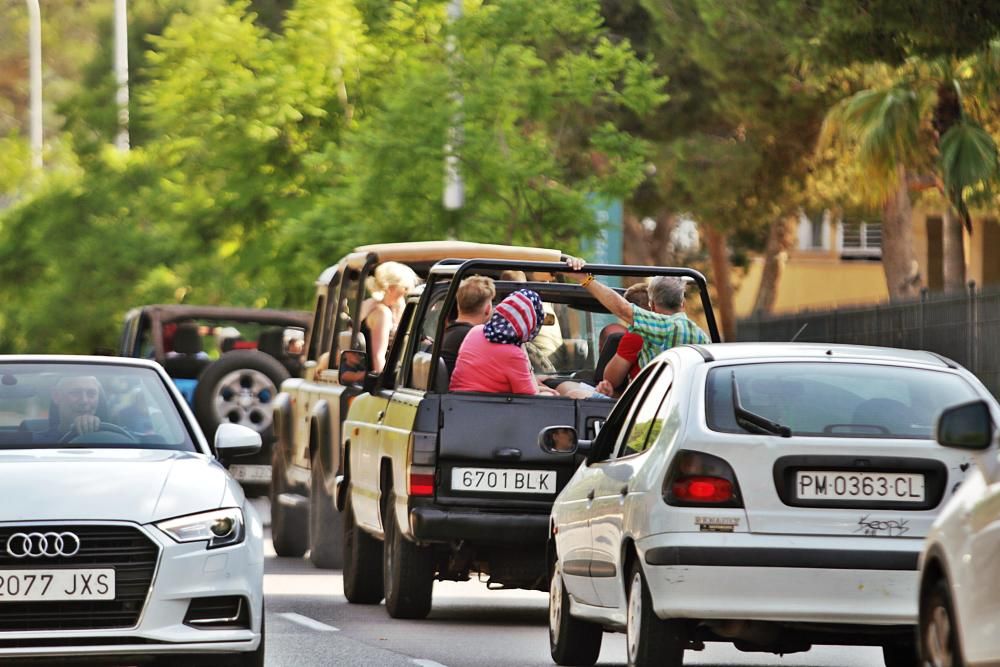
(421, 484)
(703, 489)
(699, 479)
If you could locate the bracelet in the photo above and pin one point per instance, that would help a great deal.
(590, 279)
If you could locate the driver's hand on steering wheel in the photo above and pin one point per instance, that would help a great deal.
(86, 424)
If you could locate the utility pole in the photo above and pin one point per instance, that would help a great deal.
(35, 79)
(454, 186)
(121, 74)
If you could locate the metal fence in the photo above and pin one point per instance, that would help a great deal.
(962, 326)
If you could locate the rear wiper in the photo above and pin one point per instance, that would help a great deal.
(753, 422)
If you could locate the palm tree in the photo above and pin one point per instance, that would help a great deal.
(911, 133)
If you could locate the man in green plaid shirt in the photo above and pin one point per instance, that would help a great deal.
(661, 328)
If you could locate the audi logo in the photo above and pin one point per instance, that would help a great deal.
(37, 545)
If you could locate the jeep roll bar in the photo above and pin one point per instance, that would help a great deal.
(455, 270)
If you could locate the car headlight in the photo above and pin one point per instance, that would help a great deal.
(220, 528)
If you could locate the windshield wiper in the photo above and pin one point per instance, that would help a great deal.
(753, 422)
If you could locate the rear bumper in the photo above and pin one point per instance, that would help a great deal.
(778, 578)
(431, 524)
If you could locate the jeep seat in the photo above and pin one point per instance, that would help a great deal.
(185, 361)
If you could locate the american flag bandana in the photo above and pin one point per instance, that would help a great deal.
(516, 320)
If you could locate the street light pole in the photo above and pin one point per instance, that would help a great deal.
(35, 79)
(121, 74)
(454, 186)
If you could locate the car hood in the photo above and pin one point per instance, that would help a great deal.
(139, 485)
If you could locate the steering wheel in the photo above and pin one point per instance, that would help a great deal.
(73, 436)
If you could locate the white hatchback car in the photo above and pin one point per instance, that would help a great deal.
(775, 496)
(120, 534)
(960, 570)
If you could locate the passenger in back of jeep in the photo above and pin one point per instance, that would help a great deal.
(492, 357)
(475, 305)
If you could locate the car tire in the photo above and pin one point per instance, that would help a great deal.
(289, 525)
(571, 641)
(362, 561)
(651, 640)
(253, 658)
(325, 524)
(239, 388)
(939, 640)
(407, 572)
(902, 654)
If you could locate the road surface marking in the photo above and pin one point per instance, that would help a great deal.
(309, 622)
(426, 663)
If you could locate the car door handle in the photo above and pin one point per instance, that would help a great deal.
(507, 454)
(590, 494)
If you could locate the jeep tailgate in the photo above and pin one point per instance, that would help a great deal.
(488, 453)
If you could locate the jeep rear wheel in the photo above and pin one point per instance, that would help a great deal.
(325, 528)
(289, 525)
(362, 561)
(408, 572)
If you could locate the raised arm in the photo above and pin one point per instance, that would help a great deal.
(609, 298)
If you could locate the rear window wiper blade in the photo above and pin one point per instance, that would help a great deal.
(753, 422)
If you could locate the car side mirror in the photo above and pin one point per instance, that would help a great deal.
(966, 426)
(233, 440)
(562, 440)
(353, 367)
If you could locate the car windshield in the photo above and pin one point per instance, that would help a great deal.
(58, 405)
(842, 400)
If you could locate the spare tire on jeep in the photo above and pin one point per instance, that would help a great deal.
(239, 388)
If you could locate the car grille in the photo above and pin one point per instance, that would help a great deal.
(125, 548)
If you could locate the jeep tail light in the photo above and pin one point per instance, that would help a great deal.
(421, 484)
(696, 479)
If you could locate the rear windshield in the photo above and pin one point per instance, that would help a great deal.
(835, 399)
(76, 404)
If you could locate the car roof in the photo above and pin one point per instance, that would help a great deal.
(173, 312)
(817, 351)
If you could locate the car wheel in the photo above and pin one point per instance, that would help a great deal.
(253, 658)
(289, 525)
(939, 641)
(407, 572)
(901, 655)
(651, 640)
(325, 528)
(571, 641)
(239, 388)
(362, 561)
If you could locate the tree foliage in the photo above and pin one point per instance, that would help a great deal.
(268, 145)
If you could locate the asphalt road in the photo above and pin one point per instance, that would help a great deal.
(310, 624)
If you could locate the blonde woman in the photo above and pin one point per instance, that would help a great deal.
(380, 313)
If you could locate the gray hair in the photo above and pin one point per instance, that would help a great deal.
(666, 292)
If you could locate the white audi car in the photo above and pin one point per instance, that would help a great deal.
(960, 571)
(121, 535)
(774, 496)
